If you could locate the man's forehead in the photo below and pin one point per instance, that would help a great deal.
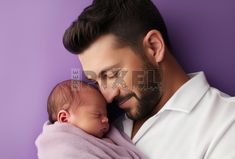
(95, 63)
(102, 49)
(102, 44)
(104, 54)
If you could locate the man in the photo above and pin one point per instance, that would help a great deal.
(123, 46)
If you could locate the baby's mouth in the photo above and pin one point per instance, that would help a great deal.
(105, 129)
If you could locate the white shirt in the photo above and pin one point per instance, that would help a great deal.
(197, 122)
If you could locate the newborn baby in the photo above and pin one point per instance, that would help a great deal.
(78, 126)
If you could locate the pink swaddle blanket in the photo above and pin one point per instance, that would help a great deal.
(65, 141)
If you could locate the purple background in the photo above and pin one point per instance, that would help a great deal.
(33, 60)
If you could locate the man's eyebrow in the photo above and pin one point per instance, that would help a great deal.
(106, 69)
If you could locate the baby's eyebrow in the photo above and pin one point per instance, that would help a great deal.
(95, 112)
(98, 112)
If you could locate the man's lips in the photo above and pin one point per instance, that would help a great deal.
(124, 99)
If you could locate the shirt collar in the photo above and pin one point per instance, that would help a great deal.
(188, 95)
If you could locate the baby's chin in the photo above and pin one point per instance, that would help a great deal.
(103, 132)
(100, 135)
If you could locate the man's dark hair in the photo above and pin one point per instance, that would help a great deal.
(128, 20)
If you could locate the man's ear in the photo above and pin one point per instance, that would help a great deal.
(154, 45)
(63, 116)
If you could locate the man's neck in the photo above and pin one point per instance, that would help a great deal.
(138, 123)
(136, 127)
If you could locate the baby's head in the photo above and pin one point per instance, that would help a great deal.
(80, 104)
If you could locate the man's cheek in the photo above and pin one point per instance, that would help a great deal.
(138, 80)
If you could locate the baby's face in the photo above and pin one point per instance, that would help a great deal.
(91, 114)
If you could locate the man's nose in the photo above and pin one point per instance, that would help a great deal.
(109, 93)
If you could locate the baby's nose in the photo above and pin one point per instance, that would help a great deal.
(105, 120)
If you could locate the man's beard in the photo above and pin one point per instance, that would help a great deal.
(150, 94)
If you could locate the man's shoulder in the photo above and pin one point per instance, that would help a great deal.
(219, 114)
(222, 99)
(218, 106)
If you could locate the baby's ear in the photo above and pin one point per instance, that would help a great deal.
(63, 116)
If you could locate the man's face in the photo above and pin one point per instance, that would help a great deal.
(123, 77)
